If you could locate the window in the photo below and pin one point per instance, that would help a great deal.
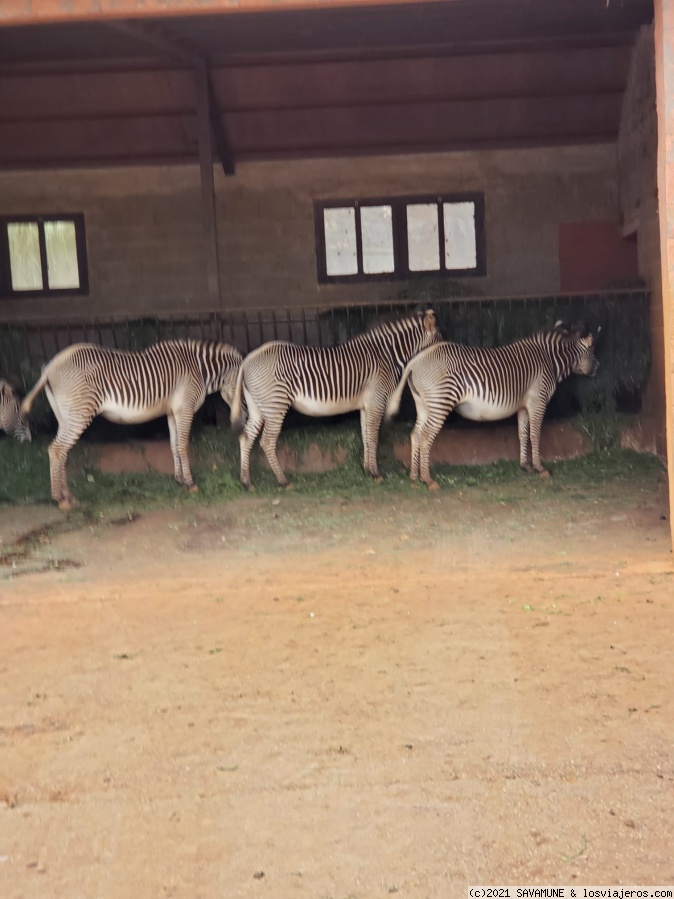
(43, 256)
(363, 240)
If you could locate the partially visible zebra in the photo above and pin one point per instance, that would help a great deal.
(171, 378)
(488, 384)
(359, 374)
(11, 419)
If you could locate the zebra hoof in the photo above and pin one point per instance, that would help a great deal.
(193, 488)
(287, 486)
(544, 473)
(433, 485)
(378, 479)
(67, 505)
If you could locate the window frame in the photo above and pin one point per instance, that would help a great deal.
(7, 292)
(401, 270)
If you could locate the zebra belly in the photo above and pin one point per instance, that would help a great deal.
(478, 409)
(121, 414)
(309, 406)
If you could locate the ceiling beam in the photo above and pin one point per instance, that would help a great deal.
(172, 47)
(33, 12)
(176, 47)
(223, 144)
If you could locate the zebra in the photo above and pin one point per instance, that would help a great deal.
(489, 384)
(170, 378)
(11, 419)
(359, 374)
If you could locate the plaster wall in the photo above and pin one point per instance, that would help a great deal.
(145, 231)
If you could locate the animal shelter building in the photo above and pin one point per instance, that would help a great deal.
(254, 169)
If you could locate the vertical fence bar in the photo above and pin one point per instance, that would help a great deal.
(304, 326)
(246, 331)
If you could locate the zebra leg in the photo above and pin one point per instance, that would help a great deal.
(432, 410)
(535, 427)
(183, 425)
(523, 433)
(177, 464)
(419, 426)
(427, 435)
(58, 451)
(268, 441)
(370, 423)
(247, 438)
(72, 423)
(415, 441)
(414, 453)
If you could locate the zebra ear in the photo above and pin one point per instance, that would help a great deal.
(430, 320)
(558, 324)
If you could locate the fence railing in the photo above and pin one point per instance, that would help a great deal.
(27, 344)
(624, 352)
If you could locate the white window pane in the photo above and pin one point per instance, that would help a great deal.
(376, 226)
(460, 242)
(24, 255)
(62, 270)
(341, 257)
(423, 242)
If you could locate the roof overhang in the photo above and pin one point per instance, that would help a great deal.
(113, 81)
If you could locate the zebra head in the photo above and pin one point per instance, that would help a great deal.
(228, 365)
(584, 360)
(431, 331)
(11, 419)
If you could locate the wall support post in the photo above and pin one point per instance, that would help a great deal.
(207, 184)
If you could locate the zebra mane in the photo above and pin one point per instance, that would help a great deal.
(558, 333)
(402, 323)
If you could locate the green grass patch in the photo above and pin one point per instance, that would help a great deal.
(24, 473)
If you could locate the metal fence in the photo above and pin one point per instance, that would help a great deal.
(25, 346)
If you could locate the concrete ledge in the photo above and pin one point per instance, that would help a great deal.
(477, 445)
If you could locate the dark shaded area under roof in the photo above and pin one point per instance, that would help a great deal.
(340, 81)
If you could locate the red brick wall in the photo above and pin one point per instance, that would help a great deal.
(594, 255)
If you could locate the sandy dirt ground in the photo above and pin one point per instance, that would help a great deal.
(337, 699)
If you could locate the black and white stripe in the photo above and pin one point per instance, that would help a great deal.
(11, 419)
(171, 378)
(359, 374)
(488, 384)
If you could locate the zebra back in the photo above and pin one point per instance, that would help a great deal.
(141, 378)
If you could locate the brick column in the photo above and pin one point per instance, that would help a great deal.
(664, 82)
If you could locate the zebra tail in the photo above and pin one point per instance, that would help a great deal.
(393, 404)
(27, 403)
(237, 414)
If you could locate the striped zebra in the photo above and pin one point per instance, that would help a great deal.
(359, 374)
(11, 419)
(171, 378)
(489, 384)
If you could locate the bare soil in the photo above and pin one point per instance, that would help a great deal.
(337, 698)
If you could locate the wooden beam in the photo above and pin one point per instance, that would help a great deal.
(207, 184)
(168, 46)
(172, 45)
(222, 141)
(31, 12)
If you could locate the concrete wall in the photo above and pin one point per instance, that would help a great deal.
(144, 226)
(638, 191)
